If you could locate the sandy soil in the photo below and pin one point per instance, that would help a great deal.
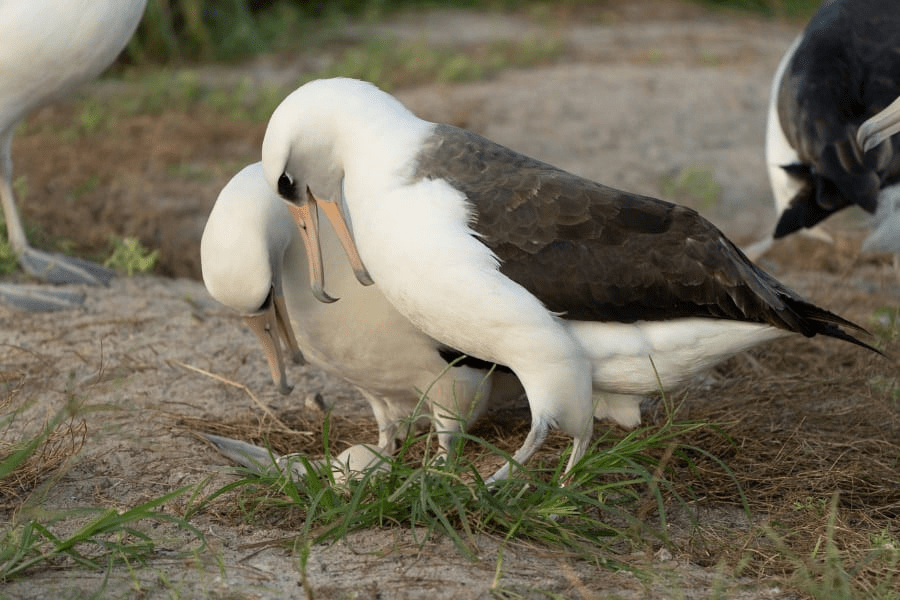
(640, 96)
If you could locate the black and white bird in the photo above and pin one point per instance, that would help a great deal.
(832, 119)
(49, 47)
(254, 261)
(572, 285)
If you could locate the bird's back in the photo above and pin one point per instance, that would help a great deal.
(594, 253)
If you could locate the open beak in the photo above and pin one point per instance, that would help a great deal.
(879, 127)
(307, 218)
(271, 327)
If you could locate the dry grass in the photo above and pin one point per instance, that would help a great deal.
(62, 443)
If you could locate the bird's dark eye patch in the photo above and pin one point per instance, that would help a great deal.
(287, 188)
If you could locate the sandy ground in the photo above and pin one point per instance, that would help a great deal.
(638, 98)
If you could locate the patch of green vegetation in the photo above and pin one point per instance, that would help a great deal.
(885, 324)
(182, 90)
(161, 90)
(709, 58)
(247, 101)
(694, 185)
(817, 505)
(95, 116)
(102, 536)
(130, 256)
(386, 62)
(654, 56)
(830, 572)
(781, 8)
(20, 189)
(390, 64)
(593, 515)
(190, 171)
(86, 187)
(188, 31)
(109, 536)
(9, 263)
(889, 386)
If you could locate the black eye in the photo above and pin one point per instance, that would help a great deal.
(287, 188)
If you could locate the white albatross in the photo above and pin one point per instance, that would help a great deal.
(251, 255)
(48, 48)
(833, 109)
(573, 285)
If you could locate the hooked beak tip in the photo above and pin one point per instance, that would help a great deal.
(322, 296)
(362, 275)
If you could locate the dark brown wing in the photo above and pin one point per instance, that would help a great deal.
(591, 252)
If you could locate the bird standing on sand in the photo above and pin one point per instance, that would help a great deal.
(572, 285)
(48, 48)
(254, 261)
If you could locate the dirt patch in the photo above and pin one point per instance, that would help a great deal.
(641, 95)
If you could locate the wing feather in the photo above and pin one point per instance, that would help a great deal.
(593, 253)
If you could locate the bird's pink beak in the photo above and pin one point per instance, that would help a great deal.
(271, 326)
(307, 218)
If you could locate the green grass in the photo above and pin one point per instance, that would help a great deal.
(101, 537)
(827, 572)
(130, 256)
(108, 536)
(591, 513)
(391, 64)
(9, 263)
(782, 8)
(693, 185)
(190, 31)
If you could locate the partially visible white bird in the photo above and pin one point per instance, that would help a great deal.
(48, 48)
(570, 284)
(251, 254)
(832, 111)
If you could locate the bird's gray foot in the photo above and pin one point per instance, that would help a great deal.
(38, 298)
(259, 460)
(61, 269)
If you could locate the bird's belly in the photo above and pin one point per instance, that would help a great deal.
(360, 338)
(634, 358)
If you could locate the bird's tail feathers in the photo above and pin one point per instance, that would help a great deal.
(827, 323)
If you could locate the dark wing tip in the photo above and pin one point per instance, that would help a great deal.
(827, 323)
(832, 330)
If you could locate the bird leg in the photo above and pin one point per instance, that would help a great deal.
(533, 443)
(49, 267)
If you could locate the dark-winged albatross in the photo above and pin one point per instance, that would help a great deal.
(572, 285)
(49, 47)
(832, 111)
(251, 254)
